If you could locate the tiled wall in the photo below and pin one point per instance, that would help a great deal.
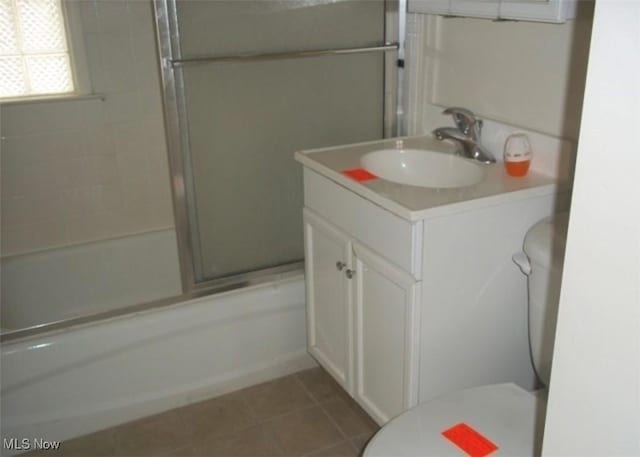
(81, 170)
(526, 74)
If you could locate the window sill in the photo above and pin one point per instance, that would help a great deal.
(51, 98)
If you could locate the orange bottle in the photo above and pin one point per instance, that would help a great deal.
(517, 154)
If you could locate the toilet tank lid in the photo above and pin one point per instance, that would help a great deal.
(545, 242)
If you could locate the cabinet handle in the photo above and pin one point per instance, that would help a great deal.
(340, 265)
(350, 273)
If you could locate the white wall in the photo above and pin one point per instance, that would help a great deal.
(526, 74)
(594, 399)
(82, 170)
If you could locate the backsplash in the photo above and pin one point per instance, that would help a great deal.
(86, 169)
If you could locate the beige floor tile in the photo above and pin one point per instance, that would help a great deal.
(155, 436)
(360, 442)
(186, 451)
(344, 449)
(99, 444)
(277, 418)
(276, 397)
(217, 416)
(256, 441)
(305, 431)
(320, 384)
(351, 419)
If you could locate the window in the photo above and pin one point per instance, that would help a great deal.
(34, 54)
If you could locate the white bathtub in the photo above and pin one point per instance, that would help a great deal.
(91, 377)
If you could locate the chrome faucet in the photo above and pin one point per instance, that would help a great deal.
(467, 133)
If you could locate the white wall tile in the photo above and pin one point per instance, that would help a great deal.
(88, 15)
(101, 140)
(91, 169)
(111, 197)
(118, 62)
(113, 16)
(93, 47)
(122, 106)
(146, 63)
(93, 113)
(161, 212)
(141, 16)
(33, 118)
(15, 210)
(17, 239)
(50, 233)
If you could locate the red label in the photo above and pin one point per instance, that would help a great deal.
(359, 174)
(469, 440)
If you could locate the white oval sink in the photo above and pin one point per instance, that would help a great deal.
(421, 167)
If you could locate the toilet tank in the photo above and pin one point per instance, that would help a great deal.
(544, 246)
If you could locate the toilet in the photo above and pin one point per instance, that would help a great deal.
(496, 419)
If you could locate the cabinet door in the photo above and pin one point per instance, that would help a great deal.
(386, 336)
(329, 314)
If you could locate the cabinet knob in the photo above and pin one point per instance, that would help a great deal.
(340, 265)
(350, 273)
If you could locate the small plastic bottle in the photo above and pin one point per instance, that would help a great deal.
(517, 154)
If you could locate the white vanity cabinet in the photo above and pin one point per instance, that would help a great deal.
(362, 322)
(361, 319)
(404, 305)
(557, 11)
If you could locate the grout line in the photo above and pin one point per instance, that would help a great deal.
(297, 410)
(245, 402)
(361, 451)
(326, 447)
(325, 412)
(355, 448)
(356, 409)
(332, 420)
(272, 438)
(307, 391)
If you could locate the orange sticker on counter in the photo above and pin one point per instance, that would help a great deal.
(469, 440)
(359, 174)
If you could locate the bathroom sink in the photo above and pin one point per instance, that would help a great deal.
(423, 167)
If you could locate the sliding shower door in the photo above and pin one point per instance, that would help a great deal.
(248, 83)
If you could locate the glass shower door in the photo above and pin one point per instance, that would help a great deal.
(242, 119)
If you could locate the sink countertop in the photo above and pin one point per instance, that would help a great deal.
(416, 203)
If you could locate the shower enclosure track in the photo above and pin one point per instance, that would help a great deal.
(173, 63)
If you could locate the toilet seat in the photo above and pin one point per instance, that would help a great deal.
(507, 415)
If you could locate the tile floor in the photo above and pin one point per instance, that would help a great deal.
(304, 414)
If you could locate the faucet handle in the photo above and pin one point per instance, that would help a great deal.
(466, 121)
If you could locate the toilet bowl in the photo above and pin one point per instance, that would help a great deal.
(498, 419)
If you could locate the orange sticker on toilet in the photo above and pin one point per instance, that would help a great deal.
(469, 440)
(359, 174)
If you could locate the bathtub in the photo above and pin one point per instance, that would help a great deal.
(93, 376)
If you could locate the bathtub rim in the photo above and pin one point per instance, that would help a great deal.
(290, 272)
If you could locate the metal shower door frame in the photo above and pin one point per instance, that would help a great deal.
(178, 145)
